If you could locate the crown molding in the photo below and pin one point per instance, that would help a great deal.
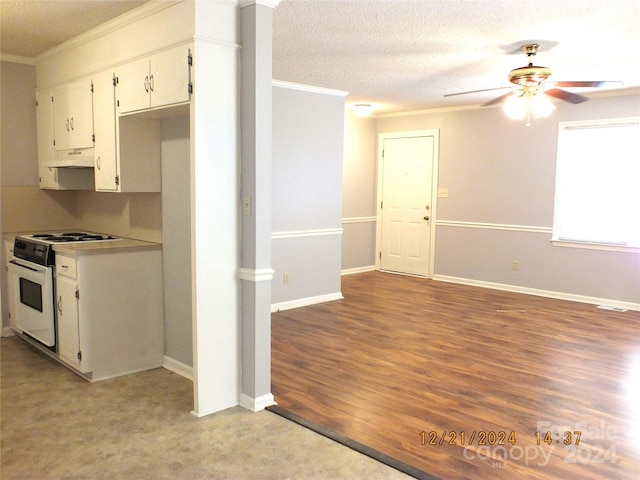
(309, 88)
(103, 29)
(618, 92)
(264, 3)
(7, 57)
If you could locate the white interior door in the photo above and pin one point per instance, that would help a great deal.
(406, 210)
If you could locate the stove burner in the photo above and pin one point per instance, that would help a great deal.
(71, 237)
(94, 237)
(57, 239)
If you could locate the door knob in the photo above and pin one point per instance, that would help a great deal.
(426, 217)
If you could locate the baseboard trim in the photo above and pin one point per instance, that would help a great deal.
(305, 302)
(541, 293)
(257, 404)
(8, 332)
(211, 411)
(351, 271)
(177, 367)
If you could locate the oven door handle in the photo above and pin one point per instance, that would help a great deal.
(26, 266)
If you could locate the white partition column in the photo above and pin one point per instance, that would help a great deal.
(215, 229)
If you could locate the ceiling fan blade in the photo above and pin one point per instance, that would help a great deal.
(498, 100)
(589, 84)
(566, 96)
(475, 91)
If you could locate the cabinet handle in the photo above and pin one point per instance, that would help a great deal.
(71, 123)
(146, 84)
(98, 163)
(67, 124)
(152, 83)
(60, 305)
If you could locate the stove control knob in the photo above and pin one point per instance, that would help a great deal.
(20, 245)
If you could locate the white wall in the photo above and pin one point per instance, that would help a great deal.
(308, 135)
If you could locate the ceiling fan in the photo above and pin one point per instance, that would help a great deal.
(529, 82)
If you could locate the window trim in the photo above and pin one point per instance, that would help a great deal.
(555, 240)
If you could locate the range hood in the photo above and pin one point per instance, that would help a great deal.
(73, 158)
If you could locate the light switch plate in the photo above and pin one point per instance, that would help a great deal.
(246, 205)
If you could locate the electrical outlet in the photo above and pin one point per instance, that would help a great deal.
(443, 193)
(515, 265)
(285, 278)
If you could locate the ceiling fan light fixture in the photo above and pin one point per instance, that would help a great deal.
(541, 106)
(515, 106)
(528, 103)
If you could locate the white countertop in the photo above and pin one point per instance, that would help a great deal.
(107, 246)
(96, 247)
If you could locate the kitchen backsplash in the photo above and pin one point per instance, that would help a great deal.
(27, 208)
(132, 215)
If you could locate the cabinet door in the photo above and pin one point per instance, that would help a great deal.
(133, 87)
(80, 114)
(48, 177)
(61, 128)
(170, 77)
(68, 328)
(11, 287)
(106, 168)
(44, 125)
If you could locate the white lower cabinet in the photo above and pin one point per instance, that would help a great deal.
(110, 311)
(68, 327)
(11, 287)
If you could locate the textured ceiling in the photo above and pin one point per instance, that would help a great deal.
(30, 27)
(405, 55)
(396, 54)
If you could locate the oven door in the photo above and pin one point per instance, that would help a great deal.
(33, 291)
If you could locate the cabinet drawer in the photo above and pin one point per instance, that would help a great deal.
(66, 266)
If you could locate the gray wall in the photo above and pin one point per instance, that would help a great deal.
(308, 134)
(19, 152)
(501, 178)
(359, 193)
(176, 239)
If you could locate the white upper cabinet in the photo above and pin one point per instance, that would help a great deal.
(104, 126)
(50, 177)
(160, 80)
(44, 125)
(127, 151)
(73, 115)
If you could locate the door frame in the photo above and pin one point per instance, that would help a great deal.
(435, 133)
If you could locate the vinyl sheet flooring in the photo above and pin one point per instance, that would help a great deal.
(55, 425)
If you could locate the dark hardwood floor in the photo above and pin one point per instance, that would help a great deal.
(466, 382)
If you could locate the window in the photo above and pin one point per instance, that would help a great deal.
(597, 201)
